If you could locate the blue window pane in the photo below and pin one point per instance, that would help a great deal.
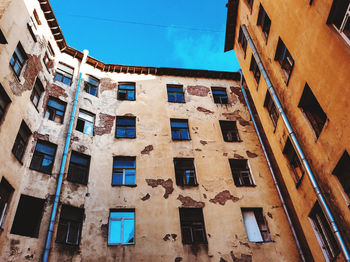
(47, 161)
(93, 91)
(67, 80)
(130, 132)
(174, 89)
(44, 148)
(130, 176)
(78, 160)
(120, 132)
(175, 134)
(129, 87)
(114, 235)
(128, 232)
(117, 179)
(122, 215)
(56, 105)
(124, 163)
(17, 68)
(178, 124)
(126, 122)
(179, 97)
(131, 95)
(89, 128)
(184, 134)
(171, 97)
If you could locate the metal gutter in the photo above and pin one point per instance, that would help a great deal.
(301, 253)
(63, 165)
(321, 199)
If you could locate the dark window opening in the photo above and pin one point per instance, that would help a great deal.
(325, 236)
(70, 225)
(78, 171)
(38, 89)
(18, 59)
(43, 157)
(125, 127)
(175, 93)
(192, 226)
(256, 225)
(255, 69)
(52, 53)
(312, 110)
(219, 95)
(2, 38)
(242, 40)
(250, 4)
(271, 108)
(85, 123)
(285, 59)
(339, 16)
(294, 161)
(6, 191)
(185, 172)
(21, 141)
(55, 110)
(28, 216)
(124, 170)
(229, 131)
(91, 85)
(179, 129)
(64, 74)
(4, 102)
(342, 171)
(126, 91)
(30, 29)
(36, 16)
(241, 173)
(264, 21)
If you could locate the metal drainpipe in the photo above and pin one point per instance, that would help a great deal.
(299, 151)
(301, 254)
(63, 164)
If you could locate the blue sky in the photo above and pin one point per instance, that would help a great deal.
(181, 34)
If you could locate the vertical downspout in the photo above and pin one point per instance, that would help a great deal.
(300, 153)
(301, 254)
(63, 164)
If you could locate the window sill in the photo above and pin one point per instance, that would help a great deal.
(125, 137)
(179, 140)
(174, 102)
(245, 185)
(75, 182)
(126, 99)
(120, 244)
(187, 186)
(126, 185)
(237, 141)
(50, 173)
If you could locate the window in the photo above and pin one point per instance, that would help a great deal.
(64, 74)
(30, 29)
(339, 16)
(91, 85)
(124, 170)
(2, 38)
(43, 157)
(255, 225)
(220, 95)
(85, 122)
(47, 61)
(179, 129)
(70, 225)
(240, 172)
(17, 60)
(185, 172)
(324, 234)
(125, 127)
(229, 131)
(78, 170)
(342, 171)
(264, 21)
(28, 216)
(271, 108)
(55, 110)
(21, 141)
(250, 4)
(4, 101)
(192, 226)
(294, 161)
(126, 91)
(175, 93)
(49, 47)
(312, 110)
(35, 14)
(242, 40)
(285, 59)
(38, 89)
(6, 191)
(121, 227)
(255, 69)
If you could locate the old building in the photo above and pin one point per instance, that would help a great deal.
(295, 58)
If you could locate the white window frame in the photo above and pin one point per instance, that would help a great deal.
(345, 20)
(122, 219)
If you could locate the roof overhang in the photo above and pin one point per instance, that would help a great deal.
(231, 22)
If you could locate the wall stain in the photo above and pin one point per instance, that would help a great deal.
(222, 197)
(147, 150)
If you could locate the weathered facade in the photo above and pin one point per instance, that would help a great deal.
(295, 58)
(163, 164)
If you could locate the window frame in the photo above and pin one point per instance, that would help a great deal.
(229, 128)
(7, 196)
(37, 91)
(192, 226)
(264, 22)
(62, 74)
(21, 141)
(242, 40)
(81, 119)
(88, 85)
(124, 126)
(241, 174)
(261, 224)
(117, 170)
(254, 68)
(3, 40)
(178, 129)
(339, 18)
(272, 110)
(181, 172)
(294, 162)
(218, 98)
(341, 169)
(168, 86)
(42, 155)
(51, 112)
(121, 226)
(5, 101)
(73, 166)
(126, 90)
(19, 58)
(284, 58)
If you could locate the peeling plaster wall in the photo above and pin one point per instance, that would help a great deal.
(156, 197)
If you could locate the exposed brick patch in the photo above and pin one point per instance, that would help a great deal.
(251, 155)
(178, 259)
(37, 136)
(31, 70)
(106, 124)
(203, 142)
(166, 184)
(244, 258)
(82, 148)
(222, 197)
(189, 202)
(224, 154)
(238, 92)
(147, 150)
(107, 84)
(238, 156)
(75, 139)
(146, 197)
(54, 91)
(235, 116)
(198, 90)
(204, 110)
